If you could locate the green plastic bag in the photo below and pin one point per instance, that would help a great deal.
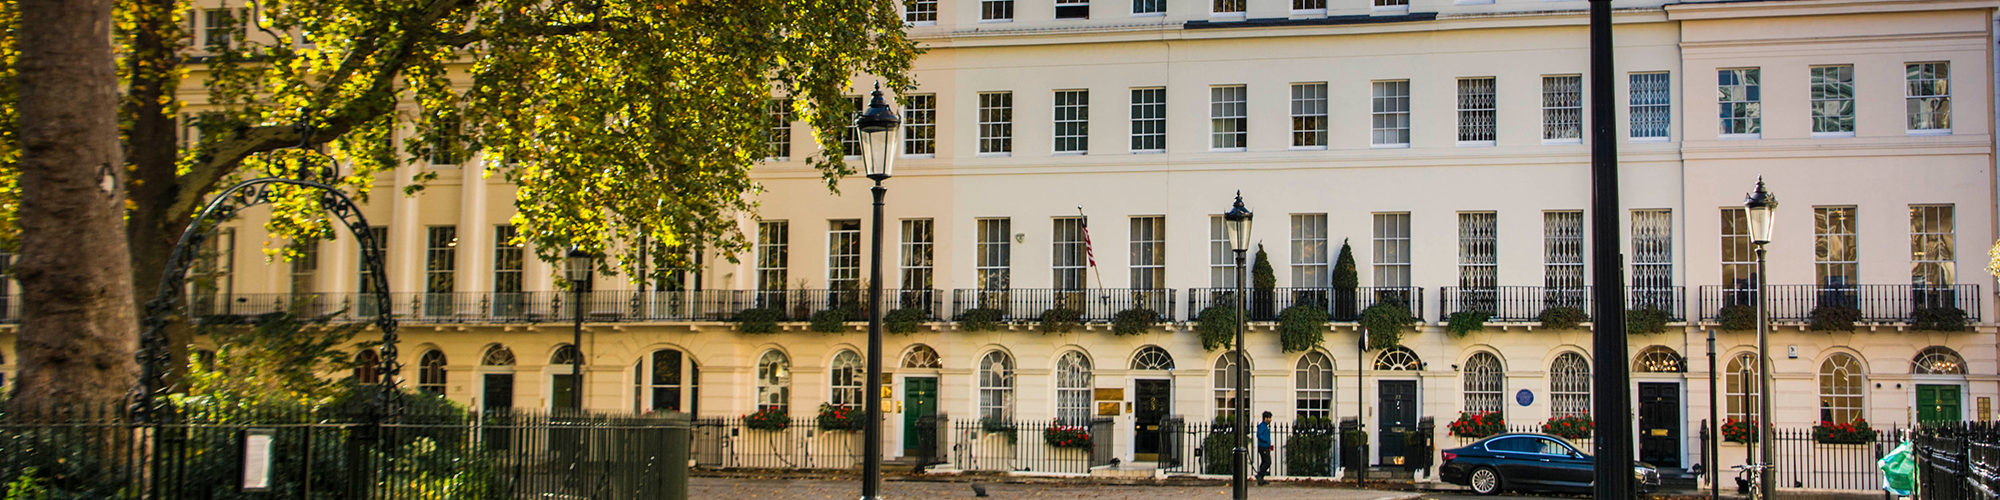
(1899, 471)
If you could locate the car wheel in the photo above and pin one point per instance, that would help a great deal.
(1485, 481)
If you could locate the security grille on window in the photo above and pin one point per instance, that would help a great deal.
(305, 267)
(779, 140)
(218, 28)
(1392, 250)
(996, 386)
(846, 378)
(1391, 113)
(1149, 6)
(1562, 108)
(917, 245)
(1835, 258)
(1149, 252)
(1833, 99)
(843, 254)
(1312, 384)
(430, 375)
(1229, 118)
(1484, 382)
(441, 270)
(850, 137)
(1569, 386)
(1072, 9)
(996, 10)
(1072, 131)
(773, 253)
(1740, 97)
(920, 12)
(1309, 259)
(995, 253)
(1651, 103)
(1932, 255)
(1229, 6)
(1739, 259)
(1221, 260)
(1840, 389)
(1309, 114)
(1476, 110)
(920, 126)
(996, 122)
(1225, 384)
(1562, 258)
(1073, 389)
(774, 381)
(1740, 388)
(1149, 120)
(1068, 258)
(1653, 259)
(1929, 95)
(1478, 265)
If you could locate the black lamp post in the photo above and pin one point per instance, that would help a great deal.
(1762, 205)
(579, 270)
(878, 155)
(1237, 224)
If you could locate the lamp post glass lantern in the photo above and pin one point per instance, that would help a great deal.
(878, 137)
(1762, 206)
(1236, 223)
(580, 265)
(878, 156)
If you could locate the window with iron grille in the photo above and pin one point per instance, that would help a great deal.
(1484, 383)
(1834, 254)
(779, 139)
(1478, 265)
(1149, 6)
(1476, 112)
(996, 386)
(1562, 258)
(843, 254)
(920, 12)
(1391, 113)
(773, 253)
(1072, 127)
(1651, 104)
(1073, 387)
(996, 122)
(430, 374)
(507, 260)
(1569, 386)
(1932, 251)
(774, 381)
(846, 376)
(1841, 384)
(1149, 252)
(1652, 259)
(920, 126)
(1309, 115)
(917, 244)
(1309, 260)
(305, 267)
(218, 28)
(1928, 95)
(1562, 108)
(1068, 260)
(1223, 7)
(1072, 9)
(1833, 99)
(850, 137)
(1392, 250)
(1221, 260)
(1225, 384)
(995, 253)
(1312, 386)
(996, 10)
(1149, 120)
(1229, 117)
(1739, 390)
(1739, 258)
(1740, 97)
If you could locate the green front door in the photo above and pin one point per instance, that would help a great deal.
(1938, 403)
(919, 401)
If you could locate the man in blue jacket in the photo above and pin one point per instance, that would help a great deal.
(1264, 450)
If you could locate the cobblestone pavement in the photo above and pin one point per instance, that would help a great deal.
(818, 489)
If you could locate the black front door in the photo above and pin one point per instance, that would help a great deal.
(1398, 410)
(1152, 403)
(496, 400)
(1660, 424)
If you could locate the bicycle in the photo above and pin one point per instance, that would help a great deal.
(1752, 484)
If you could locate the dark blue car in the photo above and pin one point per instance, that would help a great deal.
(1530, 462)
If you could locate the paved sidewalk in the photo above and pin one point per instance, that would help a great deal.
(817, 489)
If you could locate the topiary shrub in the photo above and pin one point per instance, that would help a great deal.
(1134, 321)
(1309, 455)
(1738, 317)
(1834, 318)
(830, 320)
(1216, 456)
(1463, 323)
(1942, 319)
(981, 320)
(759, 320)
(1302, 328)
(1217, 327)
(1060, 320)
(1386, 322)
(1563, 318)
(1263, 287)
(1345, 285)
(905, 321)
(1648, 321)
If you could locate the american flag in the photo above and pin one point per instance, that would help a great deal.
(1087, 253)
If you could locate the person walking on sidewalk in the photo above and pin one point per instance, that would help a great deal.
(1264, 450)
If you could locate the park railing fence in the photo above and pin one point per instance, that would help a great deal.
(1043, 446)
(1957, 460)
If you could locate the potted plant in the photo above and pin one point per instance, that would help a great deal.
(830, 320)
(1386, 322)
(1834, 318)
(768, 419)
(1856, 432)
(1739, 431)
(1064, 436)
(839, 418)
(1134, 321)
(1570, 426)
(1563, 318)
(1941, 319)
(1646, 320)
(1478, 424)
(1302, 328)
(905, 321)
(759, 320)
(1263, 286)
(1217, 327)
(1060, 320)
(1737, 317)
(1346, 283)
(981, 319)
(1463, 323)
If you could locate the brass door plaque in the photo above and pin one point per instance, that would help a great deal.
(1112, 394)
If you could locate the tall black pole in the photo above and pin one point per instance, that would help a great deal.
(1239, 481)
(1611, 399)
(576, 364)
(1714, 449)
(871, 429)
(1768, 487)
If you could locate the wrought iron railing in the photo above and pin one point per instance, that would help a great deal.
(1526, 303)
(1022, 446)
(1876, 303)
(1095, 305)
(560, 307)
(1341, 305)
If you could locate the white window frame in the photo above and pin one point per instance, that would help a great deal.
(843, 254)
(1072, 122)
(920, 127)
(778, 140)
(1569, 385)
(1068, 264)
(1390, 113)
(1221, 260)
(1563, 273)
(1310, 262)
(774, 381)
(1309, 115)
(1562, 109)
(773, 254)
(1223, 379)
(1149, 119)
(990, 10)
(910, 15)
(917, 258)
(1074, 384)
(1228, 117)
(1734, 235)
(996, 124)
(1308, 7)
(996, 253)
(850, 137)
(1913, 79)
(1391, 249)
(1835, 234)
(1751, 105)
(1159, 8)
(1391, 6)
(1739, 388)
(1933, 232)
(1478, 111)
(1842, 389)
(1223, 8)
(1650, 99)
(1479, 251)
(1060, 4)
(1312, 386)
(1831, 85)
(1652, 258)
(1485, 382)
(996, 386)
(845, 380)
(1149, 252)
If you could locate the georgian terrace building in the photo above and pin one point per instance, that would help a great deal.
(1441, 140)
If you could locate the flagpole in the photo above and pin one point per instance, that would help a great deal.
(1093, 260)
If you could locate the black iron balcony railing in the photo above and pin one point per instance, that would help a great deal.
(1526, 303)
(1877, 303)
(1096, 305)
(559, 306)
(1340, 305)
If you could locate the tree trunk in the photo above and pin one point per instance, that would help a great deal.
(78, 327)
(154, 224)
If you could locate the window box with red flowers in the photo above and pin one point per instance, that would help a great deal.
(1856, 432)
(1570, 426)
(839, 418)
(1478, 424)
(1739, 431)
(1063, 436)
(768, 419)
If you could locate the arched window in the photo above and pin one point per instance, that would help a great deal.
(922, 357)
(1152, 357)
(366, 364)
(1398, 359)
(1484, 383)
(774, 381)
(498, 355)
(1312, 384)
(1225, 383)
(996, 386)
(565, 354)
(1569, 385)
(1073, 385)
(1840, 389)
(1939, 360)
(1740, 388)
(430, 372)
(846, 378)
(664, 380)
(1659, 359)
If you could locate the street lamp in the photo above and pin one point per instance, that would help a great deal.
(1237, 224)
(580, 267)
(878, 158)
(1761, 205)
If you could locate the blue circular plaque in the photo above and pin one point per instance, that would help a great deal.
(1525, 397)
